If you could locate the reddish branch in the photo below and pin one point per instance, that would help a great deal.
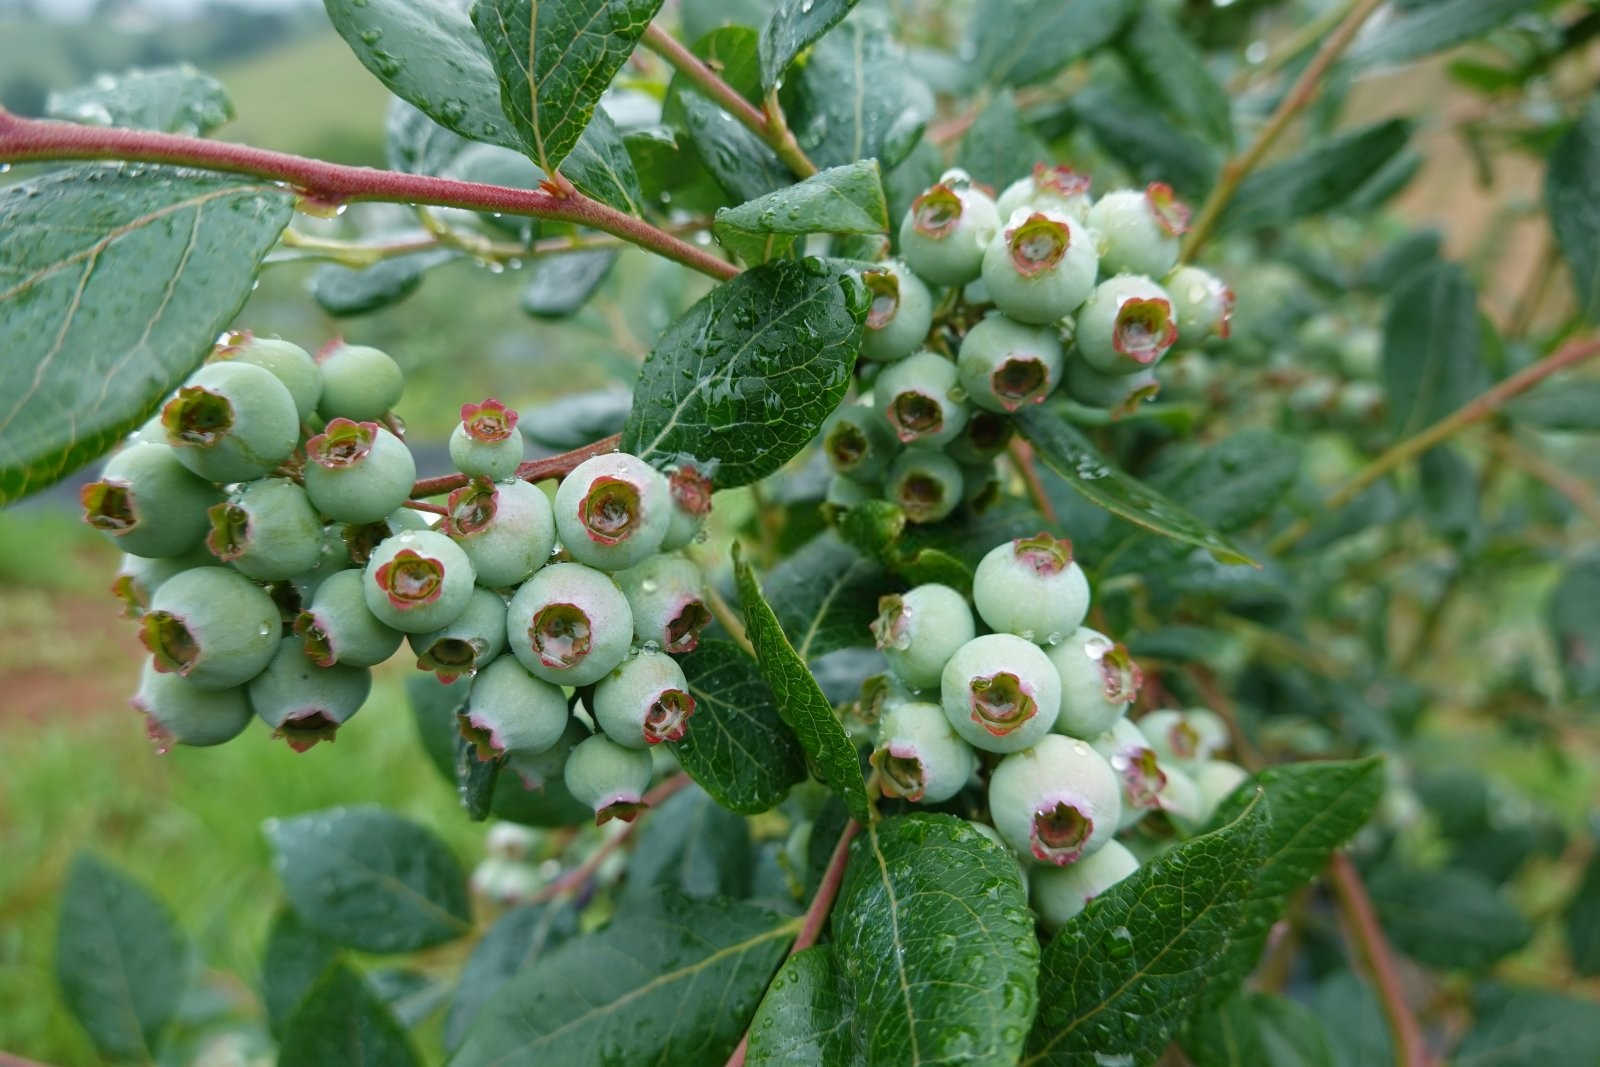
(1362, 921)
(535, 470)
(1022, 457)
(575, 879)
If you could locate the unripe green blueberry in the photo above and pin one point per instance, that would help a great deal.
(1135, 763)
(666, 597)
(358, 472)
(645, 701)
(1180, 799)
(1185, 738)
(845, 493)
(148, 503)
(178, 712)
(914, 396)
(505, 528)
(511, 713)
(900, 315)
(1031, 587)
(926, 484)
(1056, 802)
(1098, 682)
(505, 882)
(284, 360)
(1060, 893)
(138, 578)
(305, 703)
(1041, 267)
(1118, 393)
(267, 529)
(486, 443)
(150, 432)
(856, 441)
(879, 693)
(985, 436)
(1214, 780)
(358, 383)
(1361, 353)
(691, 503)
(980, 484)
(1004, 365)
(1360, 401)
(1000, 693)
(919, 757)
(1126, 325)
(569, 624)
(466, 643)
(1048, 188)
(1139, 231)
(510, 841)
(613, 511)
(943, 235)
(231, 422)
(360, 538)
(919, 630)
(417, 581)
(542, 771)
(338, 627)
(609, 778)
(212, 626)
(1202, 304)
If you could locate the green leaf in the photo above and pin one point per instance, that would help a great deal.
(1432, 339)
(1571, 405)
(1583, 921)
(825, 596)
(343, 291)
(906, 180)
(370, 879)
(476, 779)
(742, 164)
(600, 166)
(175, 99)
(294, 958)
(416, 144)
(737, 747)
(1141, 139)
(742, 381)
(1018, 42)
(999, 146)
(700, 17)
(800, 700)
(1353, 1019)
(342, 1023)
(1532, 1028)
(1574, 627)
(675, 982)
(1233, 482)
(1318, 179)
(794, 26)
(114, 283)
(1119, 979)
(554, 60)
(1066, 451)
(949, 551)
(1174, 71)
(1423, 29)
(1256, 1029)
(694, 847)
(558, 286)
(1572, 199)
(1450, 918)
(121, 961)
(847, 199)
(516, 940)
(806, 1016)
(934, 939)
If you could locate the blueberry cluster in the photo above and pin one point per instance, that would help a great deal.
(272, 559)
(1037, 708)
(1067, 293)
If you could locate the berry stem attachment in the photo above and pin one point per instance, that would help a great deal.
(534, 470)
(1022, 457)
(423, 505)
(574, 880)
(1361, 921)
(24, 140)
(1304, 91)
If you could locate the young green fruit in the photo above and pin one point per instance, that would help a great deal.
(926, 484)
(914, 396)
(506, 529)
(510, 841)
(358, 472)
(1118, 393)
(1139, 231)
(361, 538)
(919, 757)
(1004, 365)
(569, 624)
(284, 360)
(1098, 682)
(267, 529)
(1202, 304)
(943, 235)
(644, 702)
(1048, 188)
(178, 712)
(358, 383)
(417, 581)
(231, 422)
(666, 597)
(919, 630)
(1214, 780)
(613, 511)
(1126, 325)
(1056, 802)
(469, 641)
(1059, 893)
(511, 713)
(691, 503)
(338, 627)
(1000, 693)
(305, 703)
(900, 314)
(148, 503)
(485, 443)
(609, 778)
(844, 493)
(1031, 587)
(212, 626)
(1143, 778)
(985, 436)
(138, 578)
(1185, 738)
(857, 442)
(1041, 267)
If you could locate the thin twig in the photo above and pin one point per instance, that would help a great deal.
(723, 612)
(1303, 38)
(782, 137)
(574, 880)
(1362, 921)
(534, 470)
(1577, 490)
(423, 505)
(1022, 458)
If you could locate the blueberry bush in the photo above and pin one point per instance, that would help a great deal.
(1056, 592)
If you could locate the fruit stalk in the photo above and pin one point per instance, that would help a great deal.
(534, 470)
(1362, 922)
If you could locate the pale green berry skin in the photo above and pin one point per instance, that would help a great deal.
(919, 757)
(926, 484)
(1132, 238)
(1004, 365)
(984, 437)
(333, 558)
(919, 630)
(494, 460)
(419, 615)
(979, 483)
(666, 597)
(138, 577)
(1026, 192)
(1202, 303)
(510, 841)
(295, 694)
(1137, 767)
(286, 361)
(522, 715)
(338, 627)
(845, 493)
(369, 489)
(231, 623)
(589, 542)
(879, 693)
(1058, 894)
(858, 443)
(1086, 679)
(600, 612)
(954, 257)
(472, 639)
(1050, 293)
(1058, 771)
(275, 532)
(913, 397)
(179, 712)
(684, 528)
(515, 541)
(1000, 659)
(151, 432)
(1015, 596)
(1096, 325)
(605, 775)
(1215, 780)
(1181, 799)
(263, 428)
(644, 701)
(1361, 354)
(900, 315)
(1184, 738)
(1112, 391)
(358, 382)
(148, 503)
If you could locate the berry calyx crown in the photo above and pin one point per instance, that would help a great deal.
(1172, 214)
(900, 770)
(471, 508)
(342, 444)
(1044, 552)
(1037, 244)
(884, 285)
(411, 579)
(1144, 328)
(1001, 702)
(490, 422)
(936, 212)
(561, 635)
(197, 417)
(611, 510)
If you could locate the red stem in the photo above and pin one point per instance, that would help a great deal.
(1409, 1048)
(534, 470)
(579, 876)
(25, 140)
(1022, 457)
